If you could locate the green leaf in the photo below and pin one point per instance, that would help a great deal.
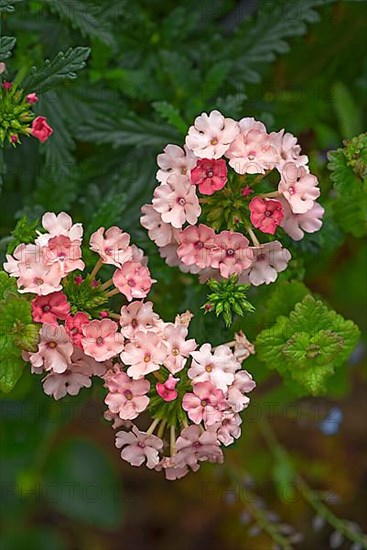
(346, 110)
(282, 300)
(24, 232)
(171, 114)
(8, 5)
(11, 368)
(7, 43)
(7, 284)
(91, 491)
(215, 78)
(308, 345)
(62, 67)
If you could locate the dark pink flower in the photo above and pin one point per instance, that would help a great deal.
(7, 85)
(74, 327)
(210, 175)
(167, 390)
(246, 191)
(31, 98)
(47, 309)
(40, 129)
(266, 214)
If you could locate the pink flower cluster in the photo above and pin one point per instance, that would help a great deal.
(219, 151)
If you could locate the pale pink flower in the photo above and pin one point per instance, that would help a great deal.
(211, 135)
(145, 353)
(177, 202)
(101, 339)
(22, 254)
(54, 349)
(266, 214)
(210, 175)
(194, 445)
(173, 472)
(65, 252)
(39, 277)
(74, 327)
(228, 429)
(158, 231)
(232, 253)
(117, 422)
(288, 149)
(111, 245)
(242, 347)
(196, 245)
(216, 366)
(139, 447)
(178, 348)
(138, 316)
(60, 224)
(184, 319)
(296, 224)
(47, 309)
(126, 397)
(298, 187)
(133, 280)
(167, 390)
(205, 404)
(269, 260)
(175, 160)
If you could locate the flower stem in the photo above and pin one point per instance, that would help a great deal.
(269, 195)
(114, 316)
(153, 425)
(173, 440)
(107, 284)
(254, 239)
(161, 428)
(112, 292)
(96, 268)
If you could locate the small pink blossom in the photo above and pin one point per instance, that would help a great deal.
(178, 348)
(269, 259)
(78, 279)
(41, 129)
(158, 231)
(287, 148)
(209, 175)
(101, 340)
(204, 404)
(232, 253)
(228, 429)
(216, 366)
(194, 445)
(298, 187)
(7, 85)
(242, 347)
(173, 472)
(36, 275)
(246, 191)
(65, 252)
(211, 135)
(31, 98)
(126, 397)
(138, 316)
(139, 447)
(167, 390)
(54, 349)
(295, 225)
(266, 214)
(60, 224)
(133, 280)
(177, 202)
(47, 309)
(111, 245)
(2, 67)
(175, 160)
(145, 353)
(74, 327)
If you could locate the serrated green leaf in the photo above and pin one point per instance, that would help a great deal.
(7, 284)
(282, 300)
(10, 369)
(24, 232)
(171, 114)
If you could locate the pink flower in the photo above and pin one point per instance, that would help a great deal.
(172, 472)
(65, 252)
(252, 151)
(7, 85)
(101, 339)
(54, 349)
(133, 280)
(287, 148)
(266, 214)
(145, 353)
(177, 202)
(2, 67)
(298, 187)
(193, 445)
(175, 160)
(139, 447)
(216, 367)
(158, 231)
(57, 225)
(205, 404)
(22, 254)
(211, 135)
(246, 191)
(269, 260)
(210, 175)
(40, 129)
(112, 245)
(47, 309)
(232, 253)
(167, 390)
(37, 276)
(74, 327)
(178, 348)
(242, 347)
(126, 397)
(32, 98)
(138, 316)
(296, 224)
(228, 429)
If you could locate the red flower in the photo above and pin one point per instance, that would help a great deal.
(210, 175)
(74, 327)
(266, 214)
(47, 309)
(40, 129)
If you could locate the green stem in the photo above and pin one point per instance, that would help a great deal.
(153, 425)
(96, 268)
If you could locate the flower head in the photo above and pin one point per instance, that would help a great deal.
(178, 348)
(175, 160)
(211, 135)
(54, 350)
(126, 397)
(298, 187)
(133, 280)
(177, 202)
(138, 316)
(101, 340)
(145, 353)
(196, 245)
(112, 245)
(209, 175)
(139, 447)
(266, 214)
(232, 253)
(47, 309)
(215, 366)
(204, 404)
(269, 260)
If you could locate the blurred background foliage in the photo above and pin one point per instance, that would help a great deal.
(153, 66)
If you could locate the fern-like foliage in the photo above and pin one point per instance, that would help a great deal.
(7, 43)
